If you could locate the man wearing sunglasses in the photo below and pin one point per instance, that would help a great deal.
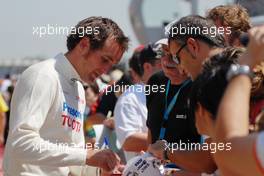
(173, 124)
(189, 50)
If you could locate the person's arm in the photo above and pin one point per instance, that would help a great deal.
(241, 159)
(199, 161)
(149, 137)
(235, 130)
(232, 117)
(97, 118)
(194, 161)
(104, 110)
(127, 125)
(255, 49)
(233, 111)
(136, 142)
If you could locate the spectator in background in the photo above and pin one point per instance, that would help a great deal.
(234, 19)
(247, 154)
(259, 122)
(130, 110)
(106, 133)
(169, 113)
(3, 123)
(3, 109)
(10, 91)
(179, 124)
(103, 113)
(5, 83)
(208, 90)
(107, 101)
(257, 98)
(111, 77)
(91, 97)
(110, 97)
(190, 50)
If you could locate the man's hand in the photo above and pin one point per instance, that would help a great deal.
(104, 159)
(109, 122)
(117, 171)
(157, 149)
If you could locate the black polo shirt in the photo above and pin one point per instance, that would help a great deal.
(180, 125)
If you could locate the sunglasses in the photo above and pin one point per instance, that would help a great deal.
(176, 57)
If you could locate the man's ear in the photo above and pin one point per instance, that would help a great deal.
(200, 110)
(84, 46)
(193, 47)
(206, 115)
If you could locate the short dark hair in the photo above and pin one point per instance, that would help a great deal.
(135, 64)
(105, 28)
(210, 85)
(194, 22)
(141, 56)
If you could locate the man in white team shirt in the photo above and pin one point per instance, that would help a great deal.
(131, 110)
(46, 122)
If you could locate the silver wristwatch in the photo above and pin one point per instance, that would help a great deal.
(236, 69)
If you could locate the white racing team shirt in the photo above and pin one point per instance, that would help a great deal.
(46, 121)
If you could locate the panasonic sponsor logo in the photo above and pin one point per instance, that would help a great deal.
(72, 111)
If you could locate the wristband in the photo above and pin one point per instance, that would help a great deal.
(236, 70)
